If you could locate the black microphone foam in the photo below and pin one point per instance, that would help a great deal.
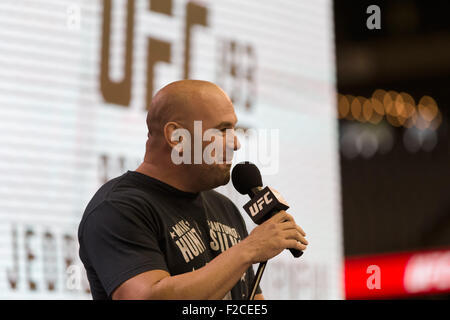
(246, 176)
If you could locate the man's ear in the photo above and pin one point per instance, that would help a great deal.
(173, 134)
(178, 140)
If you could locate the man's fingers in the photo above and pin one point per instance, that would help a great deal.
(301, 231)
(294, 234)
(293, 244)
(291, 225)
(282, 216)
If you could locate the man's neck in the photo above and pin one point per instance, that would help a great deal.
(169, 176)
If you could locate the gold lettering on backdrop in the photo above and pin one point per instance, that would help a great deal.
(161, 6)
(235, 65)
(250, 79)
(116, 92)
(31, 257)
(195, 15)
(157, 51)
(13, 273)
(40, 267)
(49, 261)
(235, 71)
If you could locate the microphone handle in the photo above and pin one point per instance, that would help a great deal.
(296, 253)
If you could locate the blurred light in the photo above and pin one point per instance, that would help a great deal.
(390, 108)
(410, 110)
(436, 123)
(428, 108)
(343, 106)
(389, 103)
(402, 274)
(349, 147)
(360, 140)
(399, 109)
(367, 144)
(367, 110)
(415, 139)
(350, 99)
(356, 109)
(377, 106)
(421, 123)
(411, 140)
(377, 101)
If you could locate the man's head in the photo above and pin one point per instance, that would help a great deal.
(182, 114)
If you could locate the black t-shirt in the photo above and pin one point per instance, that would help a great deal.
(135, 223)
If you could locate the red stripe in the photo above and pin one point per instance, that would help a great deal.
(397, 274)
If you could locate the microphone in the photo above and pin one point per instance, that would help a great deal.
(264, 202)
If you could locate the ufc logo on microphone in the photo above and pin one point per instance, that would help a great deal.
(263, 204)
(258, 205)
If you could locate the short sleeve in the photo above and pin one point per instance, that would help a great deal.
(119, 244)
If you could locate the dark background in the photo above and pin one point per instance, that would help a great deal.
(399, 200)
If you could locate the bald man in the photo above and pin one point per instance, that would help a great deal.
(161, 232)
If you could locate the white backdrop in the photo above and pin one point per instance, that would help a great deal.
(64, 131)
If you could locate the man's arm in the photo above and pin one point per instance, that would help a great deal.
(212, 281)
(220, 275)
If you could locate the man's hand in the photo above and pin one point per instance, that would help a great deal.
(273, 236)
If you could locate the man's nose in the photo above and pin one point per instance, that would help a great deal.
(237, 144)
(232, 141)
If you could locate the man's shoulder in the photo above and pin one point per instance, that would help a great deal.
(116, 189)
(102, 194)
(120, 194)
